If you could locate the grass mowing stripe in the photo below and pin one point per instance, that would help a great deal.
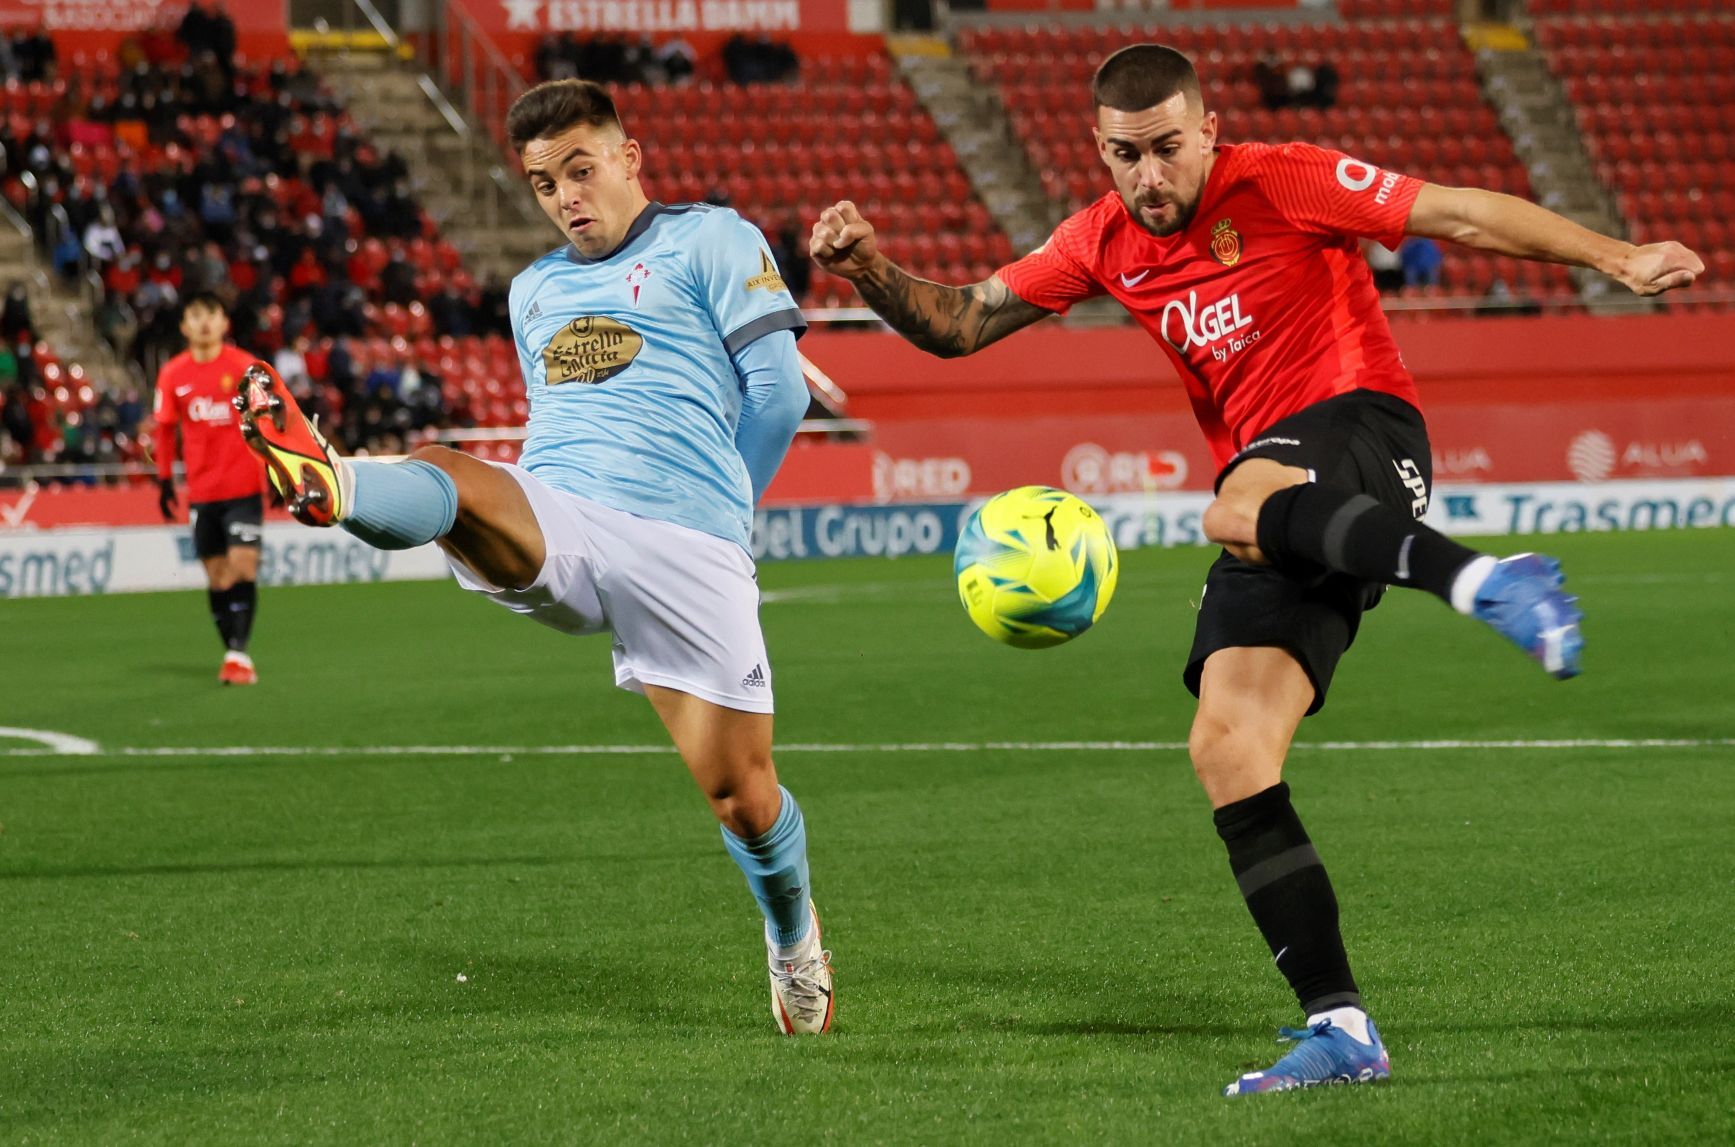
(1038, 941)
(90, 748)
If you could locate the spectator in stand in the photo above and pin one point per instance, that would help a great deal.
(759, 60)
(552, 60)
(15, 422)
(34, 56)
(493, 315)
(291, 364)
(206, 29)
(789, 251)
(1272, 82)
(450, 312)
(1325, 84)
(1387, 266)
(207, 271)
(1297, 86)
(117, 324)
(15, 320)
(1422, 259)
(678, 61)
(398, 281)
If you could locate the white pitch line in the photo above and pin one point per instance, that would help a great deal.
(59, 744)
(78, 747)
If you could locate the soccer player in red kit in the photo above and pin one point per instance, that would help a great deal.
(225, 480)
(1242, 262)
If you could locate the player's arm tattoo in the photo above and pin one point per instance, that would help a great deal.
(942, 320)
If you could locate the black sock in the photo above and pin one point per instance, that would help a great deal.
(221, 614)
(1290, 896)
(1302, 528)
(243, 602)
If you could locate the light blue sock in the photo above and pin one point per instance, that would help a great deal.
(775, 863)
(400, 505)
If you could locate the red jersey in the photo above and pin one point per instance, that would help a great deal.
(197, 398)
(1264, 302)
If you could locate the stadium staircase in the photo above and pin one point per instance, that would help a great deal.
(1409, 99)
(1652, 87)
(1537, 114)
(458, 175)
(974, 121)
(65, 329)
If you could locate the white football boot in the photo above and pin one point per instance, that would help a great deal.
(801, 999)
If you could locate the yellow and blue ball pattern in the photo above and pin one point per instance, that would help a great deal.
(1036, 567)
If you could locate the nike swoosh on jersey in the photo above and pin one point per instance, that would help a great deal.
(1134, 280)
(183, 391)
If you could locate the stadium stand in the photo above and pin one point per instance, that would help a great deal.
(1407, 97)
(272, 194)
(162, 180)
(808, 132)
(781, 153)
(1653, 87)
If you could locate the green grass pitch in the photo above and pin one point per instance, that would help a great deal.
(1033, 945)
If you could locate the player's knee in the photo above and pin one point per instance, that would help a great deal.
(443, 457)
(1220, 747)
(1231, 521)
(745, 800)
(746, 814)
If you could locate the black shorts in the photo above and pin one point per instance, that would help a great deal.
(1364, 441)
(231, 522)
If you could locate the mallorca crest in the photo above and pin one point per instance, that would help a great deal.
(636, 279)
(1226, 243)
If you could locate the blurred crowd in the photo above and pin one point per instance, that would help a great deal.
(610, 59)
(186, 172)
(614, 59)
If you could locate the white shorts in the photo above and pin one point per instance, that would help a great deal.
(683, 605)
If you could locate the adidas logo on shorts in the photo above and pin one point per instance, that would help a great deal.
(755, 679)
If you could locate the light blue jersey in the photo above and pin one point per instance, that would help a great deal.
(634, 397)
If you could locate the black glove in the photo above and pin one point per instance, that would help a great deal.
(166, 498)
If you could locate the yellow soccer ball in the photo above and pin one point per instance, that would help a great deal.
(1036, 567)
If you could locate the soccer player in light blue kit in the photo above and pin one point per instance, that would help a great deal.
(658, 352)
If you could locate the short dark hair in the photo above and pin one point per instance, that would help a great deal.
(208, 299)
(1142, 76)
(552, 107)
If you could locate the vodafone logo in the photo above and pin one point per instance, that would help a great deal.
(1355, 175)
(204, 409)
(1090, 469)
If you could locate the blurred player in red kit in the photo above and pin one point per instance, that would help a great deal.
(225, 480)
(1242, 263)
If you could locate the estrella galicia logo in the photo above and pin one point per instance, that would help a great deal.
(591, 349)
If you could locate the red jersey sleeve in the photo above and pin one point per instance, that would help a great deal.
(166, 413)
(1318, 189)
(1057, 274)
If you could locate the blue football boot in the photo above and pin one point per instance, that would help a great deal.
(1522, 601)
(1323, 1054)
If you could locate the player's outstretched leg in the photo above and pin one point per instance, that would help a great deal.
(1269, 512)
(1251, 699)
(391, 506)
(728, 751)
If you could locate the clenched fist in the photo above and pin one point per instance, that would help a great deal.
(1658, 267)
(843, 242)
